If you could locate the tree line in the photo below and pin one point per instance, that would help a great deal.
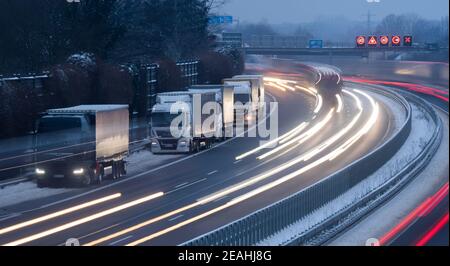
(87, 48)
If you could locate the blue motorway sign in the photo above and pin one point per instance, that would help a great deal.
(214, 20)
(315, 43)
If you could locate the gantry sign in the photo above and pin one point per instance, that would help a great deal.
(383, 41)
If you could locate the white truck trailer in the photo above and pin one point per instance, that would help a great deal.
(225, 98)
(81, 144)
(195, 129)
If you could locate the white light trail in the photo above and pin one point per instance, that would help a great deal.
(302, 138)
(340, 103)
(58, 213)
(84, 220)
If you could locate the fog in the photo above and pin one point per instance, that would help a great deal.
(300, 11)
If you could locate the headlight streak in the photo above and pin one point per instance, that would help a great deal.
(58, 213)
(340, 104)
(286, 86)
(320, 78)
(273, 142)
(363, 131)
(358, 101)
(276, 80)
(313, 93)
(83, 220)
(266, 187)
(295, 133)
(319, 104)
(303, 137)
(276, 86)
(291, 133)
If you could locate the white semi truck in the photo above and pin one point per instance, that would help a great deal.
(181, 112)
(225, 98)
(81, 144)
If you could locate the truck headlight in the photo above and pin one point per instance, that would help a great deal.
(154, 143)
(40, 171)
(183, 143)
(78, 171)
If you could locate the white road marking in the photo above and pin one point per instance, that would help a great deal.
(176, 217)
(181, 185)
(120, 240)
(186, 185)
(213, 172)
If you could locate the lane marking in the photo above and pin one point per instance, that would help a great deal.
(176, 217)
(181, 185)
(213, 172)
(186, 186)
(120, 240)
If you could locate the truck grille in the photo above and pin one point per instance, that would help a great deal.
(169, 144)
(164, 134)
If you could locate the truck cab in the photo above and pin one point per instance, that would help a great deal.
(192, 136)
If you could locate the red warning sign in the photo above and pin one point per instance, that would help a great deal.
(407, 40)
(396, 40)
(360, 41)
(384, 40)
(373, 41)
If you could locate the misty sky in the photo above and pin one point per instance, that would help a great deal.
(294, 11)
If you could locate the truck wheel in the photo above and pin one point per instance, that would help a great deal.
(86, 181)
(197, 147)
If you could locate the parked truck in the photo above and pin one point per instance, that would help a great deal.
(225, 98)
(81, 144)
(192, 135)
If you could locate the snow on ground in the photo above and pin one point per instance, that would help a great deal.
(83, 59)
(420, 135)
(145, 160)
(26, 191)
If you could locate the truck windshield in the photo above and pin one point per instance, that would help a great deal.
(54, 124)
(163, 119)
(243, 98)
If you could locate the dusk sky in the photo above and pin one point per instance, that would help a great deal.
(294, 11)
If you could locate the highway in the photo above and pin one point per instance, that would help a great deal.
(196, 194)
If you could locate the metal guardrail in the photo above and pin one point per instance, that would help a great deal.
(263, 223)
